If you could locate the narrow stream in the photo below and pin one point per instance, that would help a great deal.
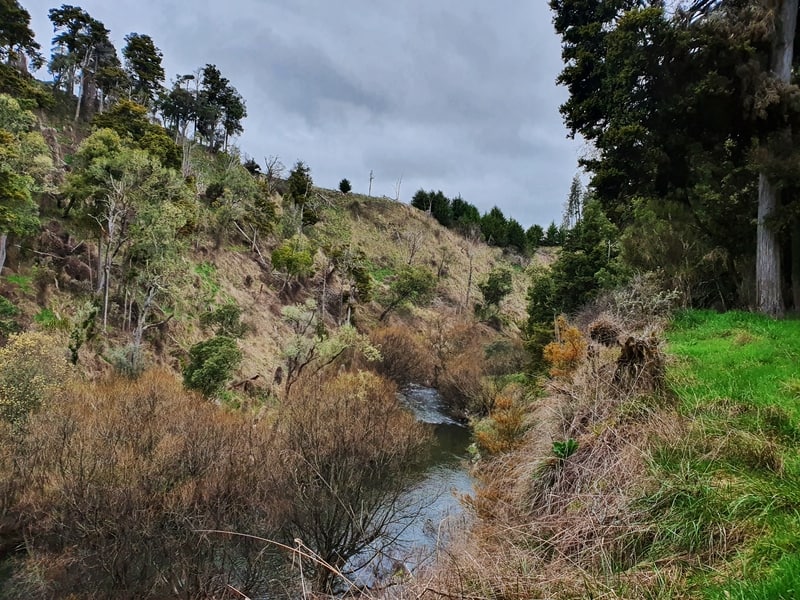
(434, 499)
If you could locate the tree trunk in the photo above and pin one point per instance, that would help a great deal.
(3, 246)
(768, 255)
(768, 252)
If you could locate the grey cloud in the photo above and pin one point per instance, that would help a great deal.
(457, 95)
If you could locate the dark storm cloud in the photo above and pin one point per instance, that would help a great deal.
(451, 95)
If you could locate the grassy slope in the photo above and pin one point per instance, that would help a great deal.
(737, 377)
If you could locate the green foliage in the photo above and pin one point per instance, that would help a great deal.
(143, 66)
(534, 236)
(496, 287)
(585, 265)
(294, 258)
(299, 183)
(564, 449)
(16, 36)
(131, 122)
(83, 329)
(414, 285)
(8, 314)
(345, 187)
(28, 92)
(436, 203)
(25, 167)
(226, 320)
(211, 365)
(494, 228)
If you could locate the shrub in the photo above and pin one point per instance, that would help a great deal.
(567, 352)
(211, 364)
(32, 369)
(405, 358)
(502, 430)
(8, 314)
(350, 451)
(225, 320)
(345, 187)
(605, 331)
(115, 485)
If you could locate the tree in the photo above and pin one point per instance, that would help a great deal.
(179, 108)
(16, 36)
(25, 168)
(411, 284)
(465, 215)
(768, 252)
(534, 236)
(435, 204)
(496, 286)
(494, 228)
(344, 186)
(553, 236)
(685, 107)
(82, 44)
(211, 365)
(143, 67)
(351, 450)
(299, 183)
(573, 206)
(130, 121)
(294, 257)
(515, 235)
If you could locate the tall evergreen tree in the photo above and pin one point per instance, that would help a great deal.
(143, 66)
(16, 36)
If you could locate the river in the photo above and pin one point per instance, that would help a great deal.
(433, 499)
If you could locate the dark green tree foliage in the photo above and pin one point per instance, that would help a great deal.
(539, 328)
(553, 236)
(82, 48)
(435, 203)
(687, 107)
(465, 215)
(497, 286)
(16, 36)
(494, 228)
(225, 320)
(252, 167)
(143, 67)
(534, 236)
(211, 365)
(178, 108)
(219, 108)
(515, 236)
(299, 183)
(585, 265)
(345, 187)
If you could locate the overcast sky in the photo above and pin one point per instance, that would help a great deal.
(451, 95)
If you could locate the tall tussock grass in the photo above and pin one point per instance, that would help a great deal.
(653, 478)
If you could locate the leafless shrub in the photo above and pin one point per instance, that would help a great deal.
(349, 449)
(113, 484)
(642, 303)
(405, 357)
(604, 330)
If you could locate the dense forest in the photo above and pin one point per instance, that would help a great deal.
(203, 357)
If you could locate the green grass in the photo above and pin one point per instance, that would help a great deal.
(730, 491)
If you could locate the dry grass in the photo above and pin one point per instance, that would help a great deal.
(565, 527)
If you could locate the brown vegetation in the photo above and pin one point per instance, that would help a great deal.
(112, 487)
(348, 451)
